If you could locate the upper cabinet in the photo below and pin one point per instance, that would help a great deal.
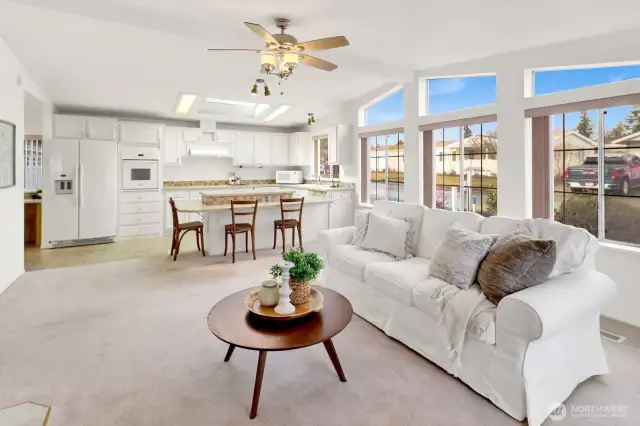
(300, 149)
(141, 133)
(340, 150)
(280, 150)
(79, 127)
(226, 136)
(243, 152)
(191, 135)
(262, 149)
(173, 145)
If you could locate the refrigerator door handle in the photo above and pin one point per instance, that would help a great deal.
(81, 186)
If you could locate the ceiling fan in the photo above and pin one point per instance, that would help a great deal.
(283, 53)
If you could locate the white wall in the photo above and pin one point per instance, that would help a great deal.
(513, 73)
(206, 168)
(13, 82)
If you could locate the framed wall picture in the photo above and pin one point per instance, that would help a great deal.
(7, 154)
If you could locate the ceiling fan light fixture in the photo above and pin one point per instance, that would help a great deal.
(267, 63)
(291, 60)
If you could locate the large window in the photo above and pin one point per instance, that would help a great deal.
(386, 165)
(450, 94)
(597, 172)
(386, 110)
(467, 168)
(553, 81)
(323, 169)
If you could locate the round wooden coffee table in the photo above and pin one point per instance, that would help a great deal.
(230, 322)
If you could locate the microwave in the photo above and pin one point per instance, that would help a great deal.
(290, 176)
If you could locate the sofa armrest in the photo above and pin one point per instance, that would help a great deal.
(540, 311)
(334, 237)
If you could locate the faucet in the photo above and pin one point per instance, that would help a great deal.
(317, 178)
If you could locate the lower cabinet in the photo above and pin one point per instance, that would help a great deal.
(340, 214)
(140, 214)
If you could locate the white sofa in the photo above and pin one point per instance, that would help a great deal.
(527, 354)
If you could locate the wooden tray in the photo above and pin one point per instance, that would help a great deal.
(313, 305)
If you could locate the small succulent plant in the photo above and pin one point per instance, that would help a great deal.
(306, 267)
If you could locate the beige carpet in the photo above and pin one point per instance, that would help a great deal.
(127, 344)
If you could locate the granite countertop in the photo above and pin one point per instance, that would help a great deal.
(319, 188)
(196, 206)
(33, 200)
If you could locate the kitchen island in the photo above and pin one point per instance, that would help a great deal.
(215, 216)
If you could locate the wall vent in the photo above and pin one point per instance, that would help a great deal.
(612, 336)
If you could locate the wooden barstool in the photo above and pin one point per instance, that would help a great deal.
(284, 224)
(183, 228)
(242, 228)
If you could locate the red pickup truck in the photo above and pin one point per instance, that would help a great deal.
(621, 174)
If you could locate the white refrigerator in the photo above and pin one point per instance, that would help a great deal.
(83, 179)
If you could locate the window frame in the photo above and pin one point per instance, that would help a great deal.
(366, 165)
(317, 164)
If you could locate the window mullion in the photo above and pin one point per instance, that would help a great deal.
(601, 177)
(386, 165)
(461, 169)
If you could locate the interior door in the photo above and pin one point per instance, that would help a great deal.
(62, 209)
(98, 189)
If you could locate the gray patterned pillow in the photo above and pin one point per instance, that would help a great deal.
(458, 255)
(516, 261)
(362, 224)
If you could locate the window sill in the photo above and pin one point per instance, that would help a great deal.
(365, 205)
(620, 246)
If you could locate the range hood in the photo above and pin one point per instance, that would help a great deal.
(208, 150)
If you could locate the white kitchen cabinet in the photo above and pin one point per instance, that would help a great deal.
(280, 150)
(191, 135)
(80, 127)
(102, 128)
(243, 151)
(172, 146)
(300, 149)
(340, 214)
(262, 148)
(69, 126)
(339, 146)
(226, 136)
(142, 133)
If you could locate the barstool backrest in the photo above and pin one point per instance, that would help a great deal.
(248, 208)
(288, 205)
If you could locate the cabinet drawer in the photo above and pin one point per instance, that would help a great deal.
(141, 208)
(139, 219)
(139, 197)
(137, 230)
(340, 195)
(177, 195)
(141, 152)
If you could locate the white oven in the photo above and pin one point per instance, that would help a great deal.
(139, 169)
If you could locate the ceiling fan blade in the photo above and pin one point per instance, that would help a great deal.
(325, 43)
(264, 34)
(312, 61)
(235, 50)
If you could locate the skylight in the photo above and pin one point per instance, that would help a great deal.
(227, 102)
(185, 103)
(278, 111)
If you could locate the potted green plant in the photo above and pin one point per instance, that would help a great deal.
(306, 268)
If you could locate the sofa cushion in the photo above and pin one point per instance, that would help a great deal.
(496, 225)
(388, 235)
(403, 211)
(352, 260)
(398, 279)
(435, 223)
(425, 296)
(361, 224)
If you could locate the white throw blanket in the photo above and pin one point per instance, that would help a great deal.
(457, 309)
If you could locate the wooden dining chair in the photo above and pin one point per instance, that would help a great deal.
(247, 208)
(181, 229)
(284, 224)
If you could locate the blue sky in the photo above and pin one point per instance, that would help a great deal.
(456, 93)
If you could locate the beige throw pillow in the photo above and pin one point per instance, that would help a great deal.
(515, 261)
(458, 255)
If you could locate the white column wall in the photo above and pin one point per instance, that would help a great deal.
(412, 148)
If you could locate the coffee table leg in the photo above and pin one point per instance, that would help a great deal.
(331, 350)
(227, 357)
(262, 358)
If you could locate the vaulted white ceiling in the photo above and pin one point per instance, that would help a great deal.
(137, 56)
